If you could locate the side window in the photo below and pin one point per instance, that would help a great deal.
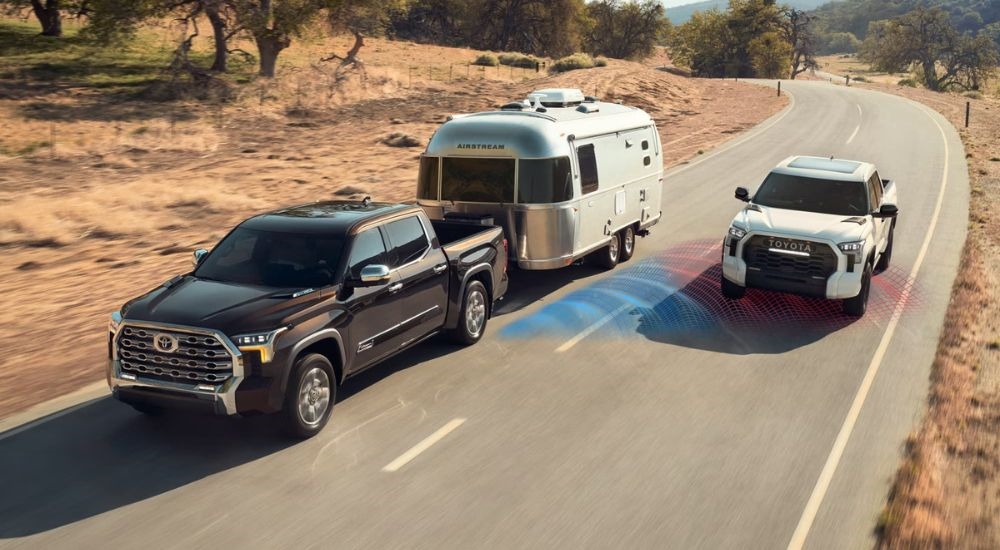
(875, 191)
(368, 249)
(588, 168)
(407, 240)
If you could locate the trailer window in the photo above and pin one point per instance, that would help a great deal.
(427, 181)
(477, 180)
(544, 181)
(588, 168)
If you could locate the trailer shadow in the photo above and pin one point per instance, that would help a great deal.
(103, 455)
(528, 287)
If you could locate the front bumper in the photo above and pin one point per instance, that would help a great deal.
(218, 399)
(841, 284)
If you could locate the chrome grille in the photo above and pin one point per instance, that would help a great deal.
(820, 264)
(196, 358)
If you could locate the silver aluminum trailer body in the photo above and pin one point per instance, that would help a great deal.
(564, 176)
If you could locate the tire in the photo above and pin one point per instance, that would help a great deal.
(473, 316)
(731, 290)
(856, 306)
(309, 397)
(886, 257)
(608, 256)
(626, 244)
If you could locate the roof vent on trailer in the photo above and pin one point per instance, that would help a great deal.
(558, 97)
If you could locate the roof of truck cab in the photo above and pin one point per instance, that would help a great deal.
(324, 217)
(827, 168)
(535, 134)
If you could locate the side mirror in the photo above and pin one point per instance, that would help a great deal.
(743, 194)
(888, 211)
(376, 274)
(199, 255)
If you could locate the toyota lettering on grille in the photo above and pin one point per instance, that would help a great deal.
(164, 343)
(794, 246)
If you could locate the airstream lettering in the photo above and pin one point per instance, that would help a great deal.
(565, 175)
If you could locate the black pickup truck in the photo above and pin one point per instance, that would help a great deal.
(292, 302)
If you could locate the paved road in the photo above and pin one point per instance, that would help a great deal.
(680, 421)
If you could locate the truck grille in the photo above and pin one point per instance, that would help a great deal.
(174, 355)
(819, 264)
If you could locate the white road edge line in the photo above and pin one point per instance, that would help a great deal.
(423, 445)
(589, 330)
(858, 129)
(731, 144)
(840, 444)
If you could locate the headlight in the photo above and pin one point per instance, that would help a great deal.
(115, 322)
(262, 342)
(738, 232)
(854, 249)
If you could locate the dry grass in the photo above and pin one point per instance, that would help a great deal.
(946, 493)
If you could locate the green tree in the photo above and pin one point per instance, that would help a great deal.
(540, 27)
(48, 12)
(370, 18)
(273, 24)
(625, 30)
(926, 38)
(702, 44)
(769, 54)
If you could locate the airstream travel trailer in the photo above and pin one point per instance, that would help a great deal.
(564, 175)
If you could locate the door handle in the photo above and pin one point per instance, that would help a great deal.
(439, 269)
(394, 288)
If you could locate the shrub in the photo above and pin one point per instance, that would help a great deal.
(486, 60)
(974, 94)
(518, 60)
(600, 61)
(859, 79)
(907, 82)
(572, 63)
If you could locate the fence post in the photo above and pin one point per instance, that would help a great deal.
(968, 105)
(779, 88)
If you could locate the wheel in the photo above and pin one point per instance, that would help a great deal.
(886, 257)
(856, 306)
(473, 316)
(309, 396)
(607, 257)
(147, 409)
(626, 244)
(732, 290)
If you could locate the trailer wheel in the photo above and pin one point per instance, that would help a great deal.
(608, 256)
(626, 243)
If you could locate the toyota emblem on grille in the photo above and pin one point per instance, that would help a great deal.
(164, 343)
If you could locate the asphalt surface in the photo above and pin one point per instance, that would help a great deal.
(668, 418)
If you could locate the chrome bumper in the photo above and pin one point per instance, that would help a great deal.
(221, 397)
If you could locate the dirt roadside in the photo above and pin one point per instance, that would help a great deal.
(107, 200)
(946, 493)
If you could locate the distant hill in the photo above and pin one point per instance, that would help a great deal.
(853, 16)
(681, 14)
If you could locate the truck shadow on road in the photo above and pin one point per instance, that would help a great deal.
(103, 455)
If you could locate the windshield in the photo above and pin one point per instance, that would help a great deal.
(847, 198)
(477, 180)
(544, 181)
(267, 258)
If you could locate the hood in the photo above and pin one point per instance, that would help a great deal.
(808, 225)
(227, 307)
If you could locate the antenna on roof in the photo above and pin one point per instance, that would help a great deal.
(367, 201)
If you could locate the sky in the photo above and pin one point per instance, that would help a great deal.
(675, 3)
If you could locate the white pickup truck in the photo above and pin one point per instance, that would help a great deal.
(815, 227)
